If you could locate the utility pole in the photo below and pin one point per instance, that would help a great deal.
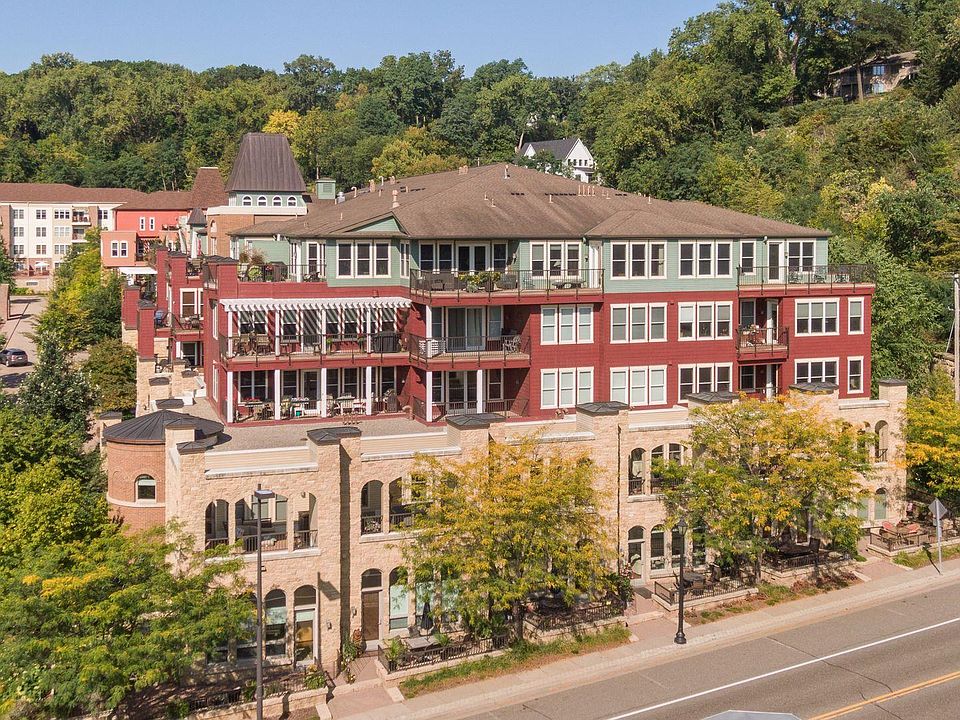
(956, 329)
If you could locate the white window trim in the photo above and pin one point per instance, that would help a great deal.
(713, 259)
(796, 364)
(556, 311)
(696, 321)
(628, 372)
(809, 301)
(647, 256)
(862, 388)
(696, 372)
(740, 257)
(198, 299)
(373, 259)
(863, 305)
(556, 388)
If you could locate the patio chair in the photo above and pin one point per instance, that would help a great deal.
(913, 529)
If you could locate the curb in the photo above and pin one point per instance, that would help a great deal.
(558, 680)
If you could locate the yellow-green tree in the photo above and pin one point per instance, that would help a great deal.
(760, 466)
(500, 525)
(933, 438)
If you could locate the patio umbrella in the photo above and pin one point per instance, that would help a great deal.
(426, 621)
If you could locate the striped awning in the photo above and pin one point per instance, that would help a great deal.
(358, 303)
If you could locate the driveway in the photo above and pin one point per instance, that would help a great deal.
(24, 310)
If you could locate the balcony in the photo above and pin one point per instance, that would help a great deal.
(810, 278)
(458, 351)
(757, 343)
(281, 272)
(342, 346)
(185, 324)
(80, 218)
(507, 408)
(506, 284)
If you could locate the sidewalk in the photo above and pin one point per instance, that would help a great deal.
(654, 644)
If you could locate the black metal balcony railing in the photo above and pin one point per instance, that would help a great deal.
(459, 348)
(512, 407)
(635, 486)
(260, 344)
(819, 276)
(304, 539)
(273, 540)
(573, 616)
(371, 524)
(447, 283)
(212, 542)
(281, 272)
(753, 340)
(401, 520)
(881, 455)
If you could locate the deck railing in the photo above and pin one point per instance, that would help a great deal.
(571, 617)
(453, 349)
(280, 272)
(261, 344)
(762, 342)
(454, 650)
(572, 282)
(273, 540)
(513, 407)
(820, 276)
(823, 558)
(670, 593)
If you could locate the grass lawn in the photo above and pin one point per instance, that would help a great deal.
(770, 595)
(927, 556)
(518, 657)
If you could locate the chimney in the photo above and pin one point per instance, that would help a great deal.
(393, 179)
(396, 202)
(373, 185)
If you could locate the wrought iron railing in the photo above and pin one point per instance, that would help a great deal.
(570, 617)
(371, 524)
(810, 275)
(401, 520)
(259, 344)
(304, 539)
(514, 407)
(670, 593)
(281, 272)
(571, 282)
(822, 558)
(454, 348)
(273, 540)
(635, 486)
(453, 650)
(762, 342)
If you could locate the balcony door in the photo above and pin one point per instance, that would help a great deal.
(773, 321)
(471, 258)
(462, 391)
(465, 329)
(775, 261)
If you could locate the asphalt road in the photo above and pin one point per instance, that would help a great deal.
(896, 660)
(23, 311)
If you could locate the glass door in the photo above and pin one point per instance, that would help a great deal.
(465, 329)
(461, 392)
(775, 261)
(773, 320)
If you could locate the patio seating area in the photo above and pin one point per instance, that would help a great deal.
(423, 651)
(713, 584)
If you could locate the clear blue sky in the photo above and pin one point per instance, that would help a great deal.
(561, 37)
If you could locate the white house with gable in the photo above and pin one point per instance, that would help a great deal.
(569, 151)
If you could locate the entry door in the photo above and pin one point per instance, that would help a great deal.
(465, 329)
(773, 377)
(775, 261)
(462, 390)
(773, 320)
(314, 261)
(370, 615)
(593, 263)
(311, 385)
(471, 258)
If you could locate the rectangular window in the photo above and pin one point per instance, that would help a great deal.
(723, 379)
(426, 257)
(618, 323)
(153, 223)
(548, 325)
(584, 324)
(687, 317)
(748, 249)
(41, 232)
(61, 249)
(855, 316)
(363, 260)
(724, 325)
(686, 260)
(382, 260)
(143, 223)
(18, 231)
(687, 375)
(584, 385)
(816, 371)
(817, 317)
(638, 260)
(800, 254)
(658, 322)
(619, 260)
(18, 214)
(538, 259)
(345, 260)
(658, 260)
(41, 249)
(404, 259)
(704, 321)
(748, 378)
(658, 385)
(567, 331)
(855, 375)
(638, 323)
(61, 214)
(41, 214)
(638, 386)
(444, 257)
(704, 259)
(705, 378)
(618, 385)
(548, 388)
(500, 256)
(567, 387)
(724, 259)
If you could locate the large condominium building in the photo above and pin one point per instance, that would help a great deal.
(40, 221)
(317, 354)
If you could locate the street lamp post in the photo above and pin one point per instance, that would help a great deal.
(680, 638)
(260, 496)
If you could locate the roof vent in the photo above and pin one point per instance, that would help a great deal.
(396, 202)
(373, 185)
(506, 172)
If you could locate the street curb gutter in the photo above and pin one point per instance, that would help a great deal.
(549, 680)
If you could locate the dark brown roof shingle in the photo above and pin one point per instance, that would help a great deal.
(265, 163)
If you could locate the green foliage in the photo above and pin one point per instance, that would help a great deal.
(933, 439)
(112, 370)
(760, 467)
(6, 268)
(498, 526)
(56, 388)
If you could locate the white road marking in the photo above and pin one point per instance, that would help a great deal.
(789, 668)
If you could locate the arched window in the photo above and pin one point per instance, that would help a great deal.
(659, 456)
(247, 201)
(146, 488)
(275, 624)
(636, 471)
(883, 441)
(216, 524)
(292, 201)
(399, 599)
(371, 513)
(262, 201)
(880, 504)
(304, 622)
(371, 579)
(635, 550)
(277, 201)
(658, 559)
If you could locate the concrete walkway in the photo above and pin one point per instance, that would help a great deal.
(24, 310)
(654, 645)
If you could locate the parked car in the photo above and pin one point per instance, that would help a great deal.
(12, 357)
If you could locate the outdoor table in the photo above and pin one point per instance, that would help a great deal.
(690, 577)
(422, 643)
(794, 550)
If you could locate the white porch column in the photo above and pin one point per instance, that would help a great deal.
(369, 380)
(323, 332)
(367, 312)
(480, 393)
(428, 320)
(276, 394)
(229, 332)
(277, 317)
(323, 392)
(229, 396)
(429, 392)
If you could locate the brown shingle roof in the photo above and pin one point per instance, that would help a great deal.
(505, 201)
(61, 192)
(265, 163)
(208, 188)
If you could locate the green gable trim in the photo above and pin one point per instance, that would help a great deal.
(385, 225)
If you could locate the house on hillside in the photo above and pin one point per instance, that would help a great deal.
(569, 151)
(879, 75)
